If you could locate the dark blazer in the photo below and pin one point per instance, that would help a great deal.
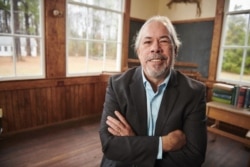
(183, 107)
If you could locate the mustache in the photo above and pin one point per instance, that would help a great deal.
(156, 56)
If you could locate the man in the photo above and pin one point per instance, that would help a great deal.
(153, 115)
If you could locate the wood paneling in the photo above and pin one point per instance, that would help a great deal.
(126, 25)
(32, 106)
(55, 39)
(214, 56)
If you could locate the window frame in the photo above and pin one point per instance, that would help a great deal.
(223, 47)
(119, 41)
(41, 37)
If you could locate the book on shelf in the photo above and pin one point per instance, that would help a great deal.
(247, 99)
(222, 95)
(241, 96)
(221, 100)
(223, 86)
(221, 91)
(235, 95)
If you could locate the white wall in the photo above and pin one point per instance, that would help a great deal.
(144, 9)
(187, 11)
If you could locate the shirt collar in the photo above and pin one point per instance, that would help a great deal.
(145, 81)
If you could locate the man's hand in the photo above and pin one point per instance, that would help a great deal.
(175, 140)
(120, 126)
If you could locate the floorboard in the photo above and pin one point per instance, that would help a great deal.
(77, 144)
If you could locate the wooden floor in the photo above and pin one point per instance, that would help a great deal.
(77, 144)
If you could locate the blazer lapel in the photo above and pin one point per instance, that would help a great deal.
(168, 101)
(140, 102)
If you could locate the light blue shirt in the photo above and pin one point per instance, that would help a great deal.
(153, 105)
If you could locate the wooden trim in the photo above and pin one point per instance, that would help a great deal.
(193, 20)
(177, 64)
(214, 55)
(86, 119)
(186, 64)
(55, 39)
(30, 84)
(179, 21)
(133, 61)
(229, 135)
(126, 24)
(136, 19)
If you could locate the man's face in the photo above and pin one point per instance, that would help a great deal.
(155, 50)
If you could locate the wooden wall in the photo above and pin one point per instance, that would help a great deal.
(32, 104)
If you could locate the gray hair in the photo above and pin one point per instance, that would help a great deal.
(169, 26)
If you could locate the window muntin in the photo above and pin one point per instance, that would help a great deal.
(234, 59)
(21, 37)
(94, 35)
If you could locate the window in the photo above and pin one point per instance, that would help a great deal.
(94, 36)
(21, 37)
(234, 58)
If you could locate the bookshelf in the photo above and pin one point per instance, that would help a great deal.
(230, 114)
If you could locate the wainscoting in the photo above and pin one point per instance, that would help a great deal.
(37, 103)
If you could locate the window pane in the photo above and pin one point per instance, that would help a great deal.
(232, 61)
(236, 5)
(246, 76)
(77, 22)
(110, 60)
(5, 19)
(26, 16)
(96, 24)
(249, 31)
(28, 60)
(112, 29)
(236, 29)
(6, 57)
(95, 58)
(76, 56)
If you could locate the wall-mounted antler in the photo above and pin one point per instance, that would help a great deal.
(198, 12)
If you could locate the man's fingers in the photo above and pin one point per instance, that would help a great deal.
(119, 126)
(121, 118)
(116, 127)
(113, 123)
(113, 120)
(121, 122)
